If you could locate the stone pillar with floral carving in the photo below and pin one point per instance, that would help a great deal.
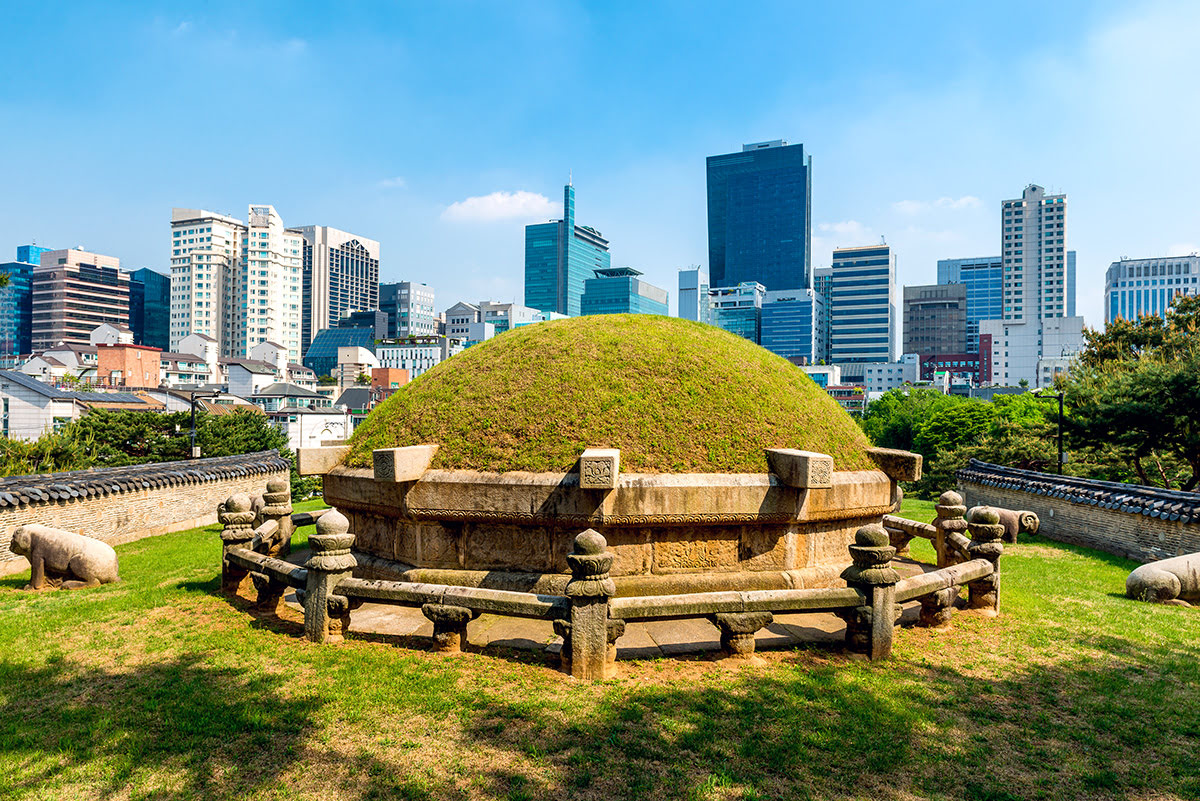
(277, 506)
(326, 614)
(950, 519)
(589, 591)
(986, 533)
(237, 520)
(869, 627)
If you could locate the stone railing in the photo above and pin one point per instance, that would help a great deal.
(122, 504)
(587, 615)
(946, 531)
(1130, 520)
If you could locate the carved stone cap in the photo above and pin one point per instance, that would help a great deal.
(985, 525)
(801, 469)
(872, 557)
(394, 465)
(590, 563)
(599, 468)
(897, 465)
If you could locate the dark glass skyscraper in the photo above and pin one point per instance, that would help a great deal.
(759, 219)
(150, 308)
(16, 312)
(559, 257)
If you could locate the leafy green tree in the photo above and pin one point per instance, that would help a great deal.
(892, 420)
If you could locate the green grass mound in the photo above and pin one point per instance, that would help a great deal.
(673, 395)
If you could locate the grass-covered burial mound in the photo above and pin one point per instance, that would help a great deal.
(673, 395)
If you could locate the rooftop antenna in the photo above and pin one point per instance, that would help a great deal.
(570, 177)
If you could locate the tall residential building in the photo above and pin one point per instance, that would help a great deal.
(73, 292)
(340, 274)
(16, 306)
(984, 279)
(863, 313)
(935, 319)
(409, 307)
(692, 296)
(1039, 287)
(150, 308)
(759, 218)
(237, 282)
(823, 286)
(1135, 287)
(619, 290)
(559, 257)
(738, 309)
(793, 324)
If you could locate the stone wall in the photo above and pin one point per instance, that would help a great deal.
(121, 504)
(1129, 520)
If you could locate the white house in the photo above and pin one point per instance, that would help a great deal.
(311, 428)
(29, 408)
(110, 334)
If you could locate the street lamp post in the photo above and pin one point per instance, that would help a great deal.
(1057, 394)
(195, 395)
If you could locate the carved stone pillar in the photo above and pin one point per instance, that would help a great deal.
(986, 532)
(589, 590)
(937, 607)
(950, 511)
(869, 627)
(737, 631)
(326, 615)
(277, 506)
(237, 519)
(449, 626)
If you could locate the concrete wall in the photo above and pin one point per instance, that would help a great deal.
(1123, 519)
(123, 504)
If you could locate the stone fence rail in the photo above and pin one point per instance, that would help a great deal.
(1129, 520)
(587, 615)
(122, 504)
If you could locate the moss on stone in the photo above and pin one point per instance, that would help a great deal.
(673, 395)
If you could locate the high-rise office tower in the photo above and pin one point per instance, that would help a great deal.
(409, 307)
(559, 257)
(738, 309)
(759, 219)
(73, 292)
(340, 274)
(693, 294)
(823, 286)
(793, 324)
(935, 319)
(16, 306)
(150, 308)
(236, 282)
(984, 279)
(1136, 287)
(863, 309)
(619, 290)
(1039, 285)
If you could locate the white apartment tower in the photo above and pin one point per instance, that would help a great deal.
(340, 274)
(237, 282)
(1038, 287)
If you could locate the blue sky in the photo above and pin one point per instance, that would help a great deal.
(442, 129)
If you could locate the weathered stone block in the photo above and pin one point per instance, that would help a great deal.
(696, 550)
(897, 465)
(319, 461)
(801, 469)
(599, 468)
(394, 465)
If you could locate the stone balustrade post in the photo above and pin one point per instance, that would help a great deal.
(950, 518)
(277, 506)
(237, 520)
(986, 533)
(449, 626)
(738, 629)
(269, 593)
(869, 628)
(326, 614)
(937, 607)
(589, 590)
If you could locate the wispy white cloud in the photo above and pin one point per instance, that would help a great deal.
(1183, 249)
(395, 182)
(911, 208)
(182, 28)
(850, 228)
(501, 206)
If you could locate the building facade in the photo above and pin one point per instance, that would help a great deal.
(738, 309)
(16, 309)
(984, 279)
(418, 356)
(759, 220)
(73, 291)
(793, 324)
(150, 308)
(339, 275)
(692, 294)
(619, 290)
(559, 257)
(409, 307)
(863, 310)
(935, 319)
(1136, 287)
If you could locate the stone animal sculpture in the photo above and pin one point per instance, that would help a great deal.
(1169, 581)
(1014, 522)
(63, 559)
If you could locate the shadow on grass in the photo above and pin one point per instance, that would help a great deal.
(183, 728)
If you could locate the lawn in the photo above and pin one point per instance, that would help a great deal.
(157, 687)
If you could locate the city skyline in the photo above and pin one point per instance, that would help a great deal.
(921, 149)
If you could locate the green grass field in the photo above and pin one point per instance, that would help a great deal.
(158, 688)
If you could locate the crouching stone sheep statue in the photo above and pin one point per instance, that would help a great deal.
(64, 559)
(1173, 581)
(1014, 522)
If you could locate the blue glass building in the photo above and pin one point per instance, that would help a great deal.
(322, 355)
(863, 309)
(618, 290)
(759, 220)
(560, 257)
(984, 279)
(31, 254)
(16, 311)
(793, 324)
(150, 308)
(738, 309)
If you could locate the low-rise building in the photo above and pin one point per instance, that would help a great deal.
(128, 365)
(30, 408)
(417, 354)
(311, 428)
